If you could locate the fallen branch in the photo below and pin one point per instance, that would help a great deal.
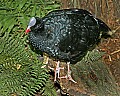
(115, 52)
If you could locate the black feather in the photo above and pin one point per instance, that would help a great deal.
(67, 34)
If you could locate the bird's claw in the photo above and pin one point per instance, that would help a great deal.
(57, 71)
(69, 77)
(50, 68)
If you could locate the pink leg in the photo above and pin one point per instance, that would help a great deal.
(68, 76)
(57, 71)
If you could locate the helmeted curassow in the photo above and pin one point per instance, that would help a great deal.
(66, 35)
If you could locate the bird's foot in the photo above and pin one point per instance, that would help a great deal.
(69, 77)
(51, 68)
(57, 71)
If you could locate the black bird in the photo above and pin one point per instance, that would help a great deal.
(66, 35)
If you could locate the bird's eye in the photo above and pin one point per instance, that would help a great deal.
(32, 21)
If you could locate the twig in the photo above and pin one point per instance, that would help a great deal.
(96, 8)
(110, 58)
(118, 57)
(113, 31)
(117, 28)
(115, 52)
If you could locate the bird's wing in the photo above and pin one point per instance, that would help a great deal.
(84, 33)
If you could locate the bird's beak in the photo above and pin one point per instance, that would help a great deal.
(27, 30)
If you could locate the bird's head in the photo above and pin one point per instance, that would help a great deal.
(32, 23)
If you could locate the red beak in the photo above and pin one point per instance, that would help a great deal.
(27, 31)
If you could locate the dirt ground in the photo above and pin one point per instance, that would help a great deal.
(112, 57)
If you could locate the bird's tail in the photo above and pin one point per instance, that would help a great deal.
(105, 30)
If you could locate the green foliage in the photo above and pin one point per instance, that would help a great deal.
(20, 70)
(48, 91)
(14, 14)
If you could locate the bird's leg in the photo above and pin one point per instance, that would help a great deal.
(45, 61)
(68, 76)
(57, 70)
(69, 73)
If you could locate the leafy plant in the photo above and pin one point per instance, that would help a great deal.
(20, 70)
(48, 91)
(14, 14)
